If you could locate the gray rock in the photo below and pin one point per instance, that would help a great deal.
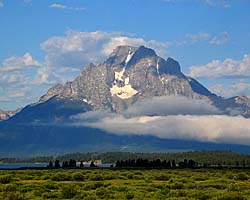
(132, 74)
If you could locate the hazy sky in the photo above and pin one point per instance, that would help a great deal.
(43, 42)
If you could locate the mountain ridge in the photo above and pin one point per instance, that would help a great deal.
(129, 75)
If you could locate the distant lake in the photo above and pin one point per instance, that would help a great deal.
(21, 165)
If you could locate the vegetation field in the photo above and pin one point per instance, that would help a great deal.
(125, 184)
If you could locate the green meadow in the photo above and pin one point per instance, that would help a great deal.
(119, 184)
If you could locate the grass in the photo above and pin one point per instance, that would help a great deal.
(125, 184)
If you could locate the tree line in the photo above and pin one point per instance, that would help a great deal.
(68, 164)
(145, 163)
(206, 158)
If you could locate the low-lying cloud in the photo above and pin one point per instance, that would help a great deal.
(171, 105)
(199, 121)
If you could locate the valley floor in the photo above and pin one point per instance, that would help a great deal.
(124, 184)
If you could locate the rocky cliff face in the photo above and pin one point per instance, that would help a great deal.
(129, 74)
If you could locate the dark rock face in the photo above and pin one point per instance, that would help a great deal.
(198, 88)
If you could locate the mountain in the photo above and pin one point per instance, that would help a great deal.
(128, 76)
(4, 115)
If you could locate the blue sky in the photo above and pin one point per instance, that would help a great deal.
(50, 41)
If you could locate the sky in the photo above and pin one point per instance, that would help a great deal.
(50, 41)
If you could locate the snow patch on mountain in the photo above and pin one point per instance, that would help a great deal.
(124, 92)
(130, 55)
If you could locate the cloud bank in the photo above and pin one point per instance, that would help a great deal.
(76, 49)
(227, 68)
(171, 105)
(239, 87)
(201, 122)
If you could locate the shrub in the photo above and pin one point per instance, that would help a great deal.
(96, 177)
(203, 196)
(5, 179)
(231, 196)
(78, 176)
(49, 195)
(61, 177)
(162, 177)
(138, 173)
(68, 191)
(14, 196)
(130, 195)
(92, 186)
(51, 186)
(177, 185)
(242, 177)
(165, 191)
(103, 193)
(10, 188)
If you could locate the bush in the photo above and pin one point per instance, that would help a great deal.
(92, 186)
(14, 196)
(129, 195)
(68, 191)
(103, 193)
(242, 177)
(96, 177)
(50, 195)
(61, 177)
(51, 185)
(177, 185)
(5, 179)
(10, 188)
(162, 177)
(78, 176)
(231, 196)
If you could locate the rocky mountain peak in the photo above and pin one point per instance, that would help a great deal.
(129, 74)
(120, 54)
(129, 55)
(170, 66)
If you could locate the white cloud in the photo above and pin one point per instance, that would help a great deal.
(64, 7)
(210, 3)
(21, 77)
(171, 105)
(1, 4)
(197, 37)
(213, 128)
(217, 3)
(45, 76)
(197, 121)
(220, 39)
(241, 87)
(76, 49)
(193, 38)
(227, 68)
(14, 63)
